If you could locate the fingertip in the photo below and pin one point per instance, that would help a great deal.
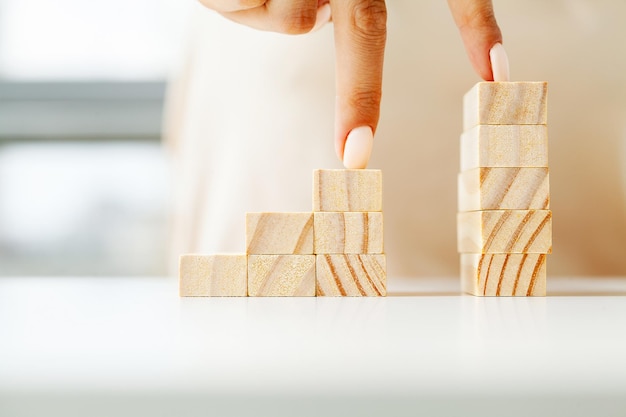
(358, 147)
(479, 30)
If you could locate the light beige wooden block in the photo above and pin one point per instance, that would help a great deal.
(347, 190)
(213, 275)
(504, 188)
(505, 103)
(348, 232)
(503, 274)
(505, 231)
(351, 275)
(504, 146)
(279, 233)
(281, 275)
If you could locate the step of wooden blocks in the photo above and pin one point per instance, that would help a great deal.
(505, 231)
(504, 225)
(504, 188)
(222, 275)
(505, 103)
(348, 232)
(281, 275)
(347, 190)
(352, 275)
(504, 146)
(279, 233)
(345, 228)
(504, 274)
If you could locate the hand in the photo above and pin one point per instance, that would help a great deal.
(283, 16)
(360, 28)
(480, 32)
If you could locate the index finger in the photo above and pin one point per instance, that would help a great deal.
(360, 34)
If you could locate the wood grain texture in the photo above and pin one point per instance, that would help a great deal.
(504, 146)
(348, 232)
(347, 190)
(351, 275)
(504, 274)
(505, 103)
(279, 233)
(505, 231)
(504, 188)
(223, 275)
(281, 275)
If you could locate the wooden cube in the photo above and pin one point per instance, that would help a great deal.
(505, 231)
(504, 274)
(504, 188)
(281, 275)
(505, 103)
(223, 275)
(351, 275)
(347, 190)
(348, 232)
(504, 146)
(279, 233)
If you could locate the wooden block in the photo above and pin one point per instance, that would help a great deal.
(504, 188)
(505, 103)
(351, 275)
(281, 275)
(347, 190)
(504, 274)
(504, 146)
(279, 233)
(505, 231)
(348, 232)
(223, 275)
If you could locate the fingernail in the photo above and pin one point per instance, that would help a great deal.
(499, 63)
(358, 147)
(323, 17)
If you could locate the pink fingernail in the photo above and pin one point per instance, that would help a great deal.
(323, 17)
(499, 63)
(358, 147)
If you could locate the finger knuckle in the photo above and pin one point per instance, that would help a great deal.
(481, 16)
(299, 21)
(366, 101)
(370, 17)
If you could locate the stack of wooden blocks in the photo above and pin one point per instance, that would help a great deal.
(504, 222)
(336, 250)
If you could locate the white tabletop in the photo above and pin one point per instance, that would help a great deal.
(131, 346)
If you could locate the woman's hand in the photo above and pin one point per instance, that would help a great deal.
(360, 28)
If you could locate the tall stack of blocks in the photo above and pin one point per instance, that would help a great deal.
(335, 250)
(504, 224)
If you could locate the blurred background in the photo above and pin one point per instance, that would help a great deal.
(85, 187)
(84, 183)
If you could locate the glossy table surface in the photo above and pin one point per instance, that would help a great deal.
(131, 346)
